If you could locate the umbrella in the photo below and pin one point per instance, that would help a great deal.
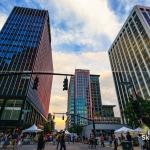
(124, 130)
(33, 128)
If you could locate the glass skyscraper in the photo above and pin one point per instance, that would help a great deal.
(130, 57)
(96, 96)
(25, 45)
(84, 92)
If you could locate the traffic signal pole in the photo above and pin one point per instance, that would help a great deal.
(7, 73)
(11, 73)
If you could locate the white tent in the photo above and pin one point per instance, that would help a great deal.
(33, 128)
(124, 130)
(67, 132)
(138, 130)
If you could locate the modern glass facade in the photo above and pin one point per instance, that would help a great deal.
(25, 45)
(130, 56)
(83, 101)
(107, 111)
(84, 91)
(96, 96)
(70, 107)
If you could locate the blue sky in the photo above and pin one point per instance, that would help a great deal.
(66, 18)
(82, 32)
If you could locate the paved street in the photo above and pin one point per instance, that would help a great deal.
(76, 146)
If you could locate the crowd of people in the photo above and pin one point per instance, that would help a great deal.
(11, 138)
(59, 139)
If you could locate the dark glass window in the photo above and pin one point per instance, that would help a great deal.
(12, 110)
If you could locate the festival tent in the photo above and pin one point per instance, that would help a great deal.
(138, 130)
(32, 129)
(124, 130)
(67, 132)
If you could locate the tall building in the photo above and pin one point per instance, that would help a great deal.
(83, 96)
(130, 56)
(96, 96)
(25, 45)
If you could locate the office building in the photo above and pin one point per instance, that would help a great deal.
(130, 57)
(25, 45)
(83, 96)
(96, 96)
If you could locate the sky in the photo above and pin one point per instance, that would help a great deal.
(82, 32)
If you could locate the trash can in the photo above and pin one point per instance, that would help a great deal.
(126, 145)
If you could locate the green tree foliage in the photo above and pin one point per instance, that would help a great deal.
(137, 110)
(47, 127)
(76, 129)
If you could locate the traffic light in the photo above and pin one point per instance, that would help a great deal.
(65, 84)
(63, 117)
(35, 84)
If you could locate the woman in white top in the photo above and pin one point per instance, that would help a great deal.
(141, 142)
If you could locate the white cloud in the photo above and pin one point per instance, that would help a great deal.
(3, 18)
(86, 21)
(96, 14)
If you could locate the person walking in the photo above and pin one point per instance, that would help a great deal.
(140, 141)
(62, 142)
(110, 140)
(58, 138)
(41, 142)
(73, 138)
(115, 143)
(102, 140)
(129, 139)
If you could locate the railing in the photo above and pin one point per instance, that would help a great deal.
(108, 120)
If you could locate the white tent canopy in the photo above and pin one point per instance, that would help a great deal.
(67, 132)
(138, 129)
(33, 128)
(124, 130)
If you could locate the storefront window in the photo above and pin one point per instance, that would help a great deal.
(12, 110)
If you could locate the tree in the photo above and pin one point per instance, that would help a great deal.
(47, 127)
(136, 111)
(76, 129)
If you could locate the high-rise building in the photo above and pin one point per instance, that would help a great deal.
(96, 96)
(84, 97)
(130, 57)
(25, 45)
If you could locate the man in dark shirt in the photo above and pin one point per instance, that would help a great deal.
(62, 142)
(129, 139)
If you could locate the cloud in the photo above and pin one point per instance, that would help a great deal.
(122, 8)
(3, 18)
(89, 24)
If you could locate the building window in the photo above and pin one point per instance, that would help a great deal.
(12, 110)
